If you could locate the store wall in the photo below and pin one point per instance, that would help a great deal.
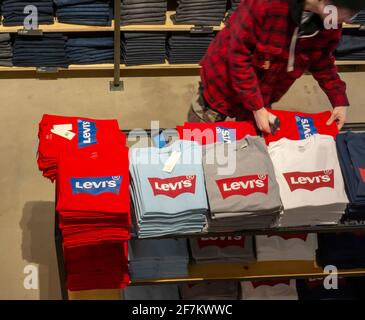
(27, 199)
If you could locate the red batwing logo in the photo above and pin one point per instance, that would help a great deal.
(310, 180)
(173, 187)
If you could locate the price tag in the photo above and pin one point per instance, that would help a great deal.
(172, 161)
(64, 134)
(62, 127)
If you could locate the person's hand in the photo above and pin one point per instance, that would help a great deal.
(339, 114)
(262, 120)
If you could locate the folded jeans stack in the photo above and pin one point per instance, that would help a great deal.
(158, 259)
(138, 48)
(168, 201)
(200, 12)
(143, 12)
(210, 290)
(13, 11)
(84, 12)
(360, 18)
(48, 50)
(351, 153)
(187, 48)
(90, 50)
(351, 46)
(6, 51)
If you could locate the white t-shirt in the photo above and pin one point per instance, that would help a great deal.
(308, 172)
(269, 290)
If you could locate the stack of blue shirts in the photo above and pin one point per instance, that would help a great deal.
(48, 50)
(90, 50)
(140, 48)
(351, 154)
(150, 12)
(187, 48)
(6, 51)
(13, 11)
(157, 259)
(84, 12)
(343, 250)
(172, 202)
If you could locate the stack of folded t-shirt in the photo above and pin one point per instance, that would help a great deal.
(343, 250)
(48, 50)
(285, 247)
(210, 290)
(151, 292)
(14, 15)
(269, 290)
(225, 249)
(143, 12)
(90, 50)
(187, 48)
(6, 51)
(311, 183)
(351, 153)
(351, 46)
(157, 259)
(360, 18)
(241, 185)
(58, 134)
(143, 48)
(84, 12)
(168, 189)
(200, 12)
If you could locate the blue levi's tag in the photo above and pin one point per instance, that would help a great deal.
(86, 133)
(96, 185)
(226, 135)
(159, 140)
(306, 127)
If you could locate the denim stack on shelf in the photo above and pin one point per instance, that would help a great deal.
(90, 50)
(352, 46)
(200, 12)
(360, 18)
(143, 48)
(187, 48)
(13, 11)
(6, 51)
(233, 6)
(85, 12)
(143, 12)
(48, 50)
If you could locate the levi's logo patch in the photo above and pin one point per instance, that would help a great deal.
(362, 174)
(243, 186)
(306, 127)
(173, 187)
(310, 180)
(221, 242)
(96, 185)
(226, 135)
(272, 283)
(86, 133)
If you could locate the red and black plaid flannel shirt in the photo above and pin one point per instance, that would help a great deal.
(245, 67)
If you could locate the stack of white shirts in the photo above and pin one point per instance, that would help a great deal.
(156, 259)
(241, 185)
(223, 290)
(310, 179)
(226, 249)
(269, 290)
(298, 247)
(168, 200)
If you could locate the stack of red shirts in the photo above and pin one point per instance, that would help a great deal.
(84, 134)
(94, 217)
(209, 133)
(300, 126)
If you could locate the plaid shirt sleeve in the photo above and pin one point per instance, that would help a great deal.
(324, 70)
(241, 44)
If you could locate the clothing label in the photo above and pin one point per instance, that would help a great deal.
(310, 180)
(306, 127)
(96, 185)
(86, 133)
(173, 187)
(172, 161)
(63, 127)
(362, 174)
(64, 134)
(225, 135)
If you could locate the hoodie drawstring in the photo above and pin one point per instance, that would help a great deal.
(293, 43)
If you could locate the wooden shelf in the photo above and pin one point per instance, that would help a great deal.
(350, 62)
(166, 65)
(78, 67)
(255, 271)
(351, 26)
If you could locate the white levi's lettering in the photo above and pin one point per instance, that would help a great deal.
(63, 127)
(172, 161)
(64, 134)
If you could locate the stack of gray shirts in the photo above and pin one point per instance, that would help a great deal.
(140, 48)
(213, 290)
(144, 12)
(241, 186)
(6, 52)
(225, 249)
(157, 259)
(351, 46)
(200, 12)
(187, 48)
(151, 292)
